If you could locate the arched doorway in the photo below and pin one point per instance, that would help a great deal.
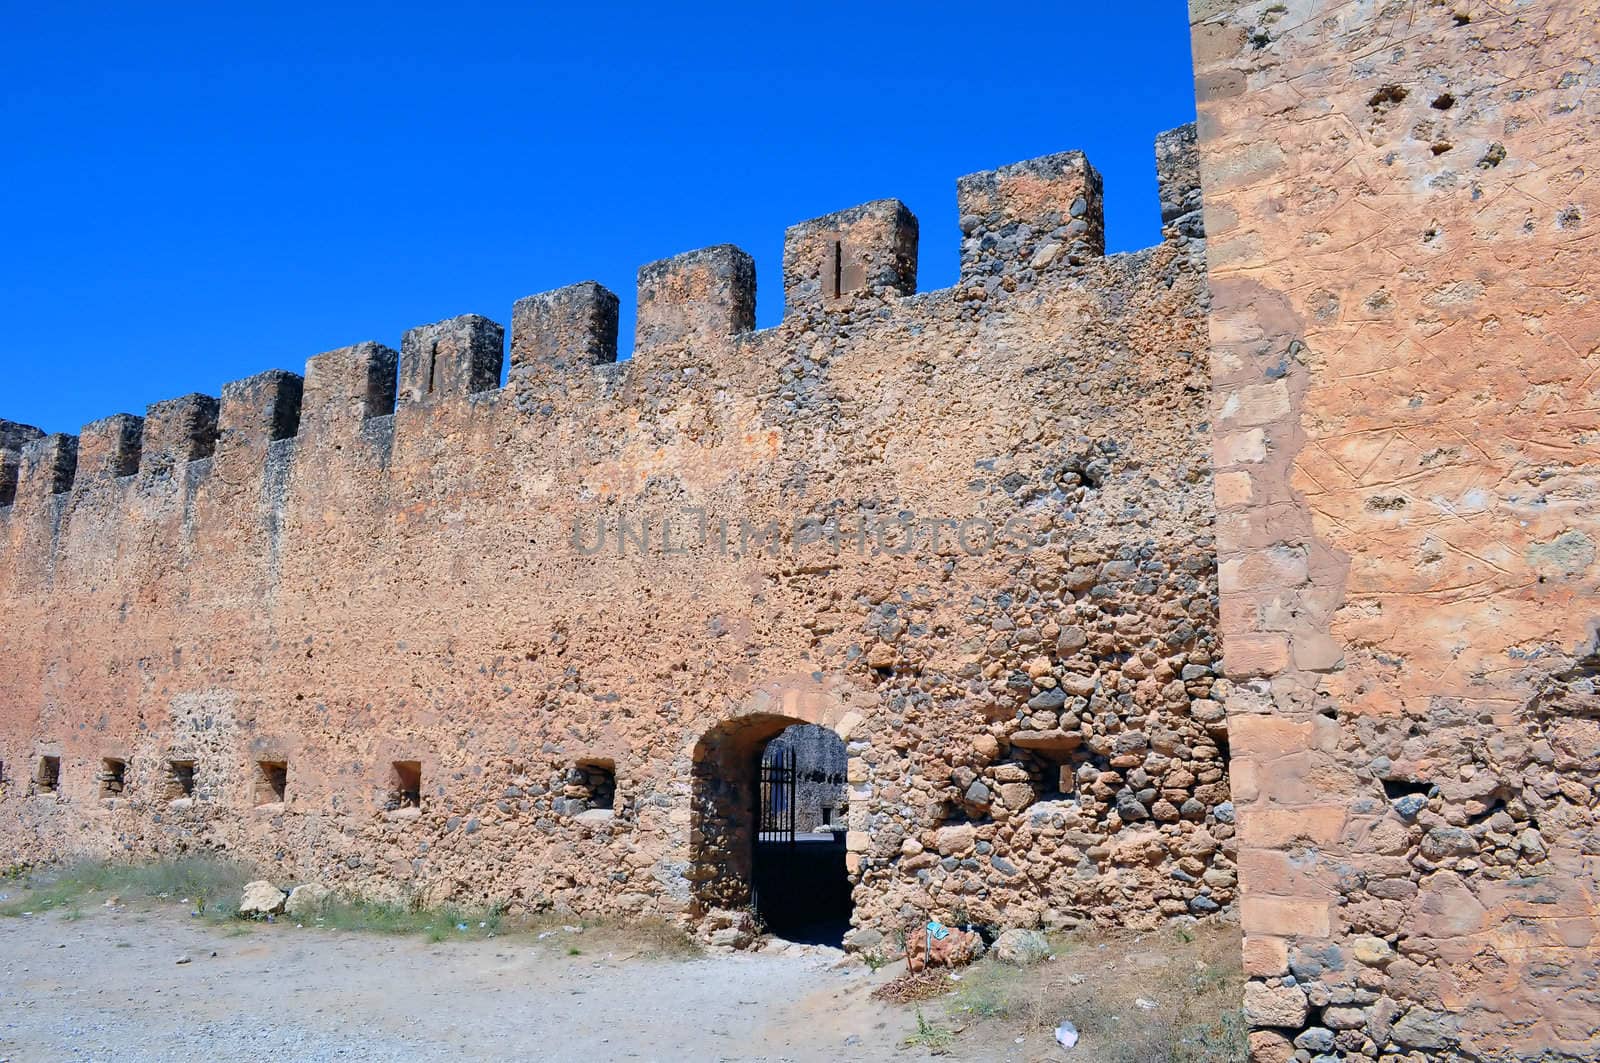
(768, 829)
(801, 885)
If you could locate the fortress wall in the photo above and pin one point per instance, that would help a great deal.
(391, 561)
(1402, 212)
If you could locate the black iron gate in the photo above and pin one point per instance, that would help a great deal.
(776, 814)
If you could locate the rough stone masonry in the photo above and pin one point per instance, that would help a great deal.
(395, 626)
(405, 631)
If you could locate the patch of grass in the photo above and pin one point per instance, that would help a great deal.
(1097, 980)
(992, 990)
(647, 938)
(213, 884)
(381, 917)
(1227, 1037)
(660, 939)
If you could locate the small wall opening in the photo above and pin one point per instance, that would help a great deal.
(180, 779)
(590, 787)
(47, 778)
(405, 785)
(272, 781)
(113, 776)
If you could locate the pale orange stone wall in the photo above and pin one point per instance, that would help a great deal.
(1403, 206)
(968, 529)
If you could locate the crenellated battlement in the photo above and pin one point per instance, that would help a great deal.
(259, 410)
(450, 359)
(1024, 225)
(377, 622)
(13, 437)
(1042, 214)
(866, 250)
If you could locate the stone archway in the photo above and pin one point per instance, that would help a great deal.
(725, 764)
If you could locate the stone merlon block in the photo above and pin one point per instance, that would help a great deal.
(349, 385)
(554, 333)
(14, 435)
(1041, 214)
(1178, 180)
(110, 447)
(177, 431)
(871, 248)
(451, 359)
(708, 294)
(47, 466)
(12, 438)
(259, 409)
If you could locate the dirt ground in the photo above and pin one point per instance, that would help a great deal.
(101, 983)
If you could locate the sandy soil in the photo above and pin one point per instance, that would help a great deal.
(95, 982)
(107, 986)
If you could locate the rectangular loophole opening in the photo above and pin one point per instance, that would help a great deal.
(272, 781)
(180, 779)
(591, 786)
(113, 776)
(47, 778)
(832, 277)
(405, 784)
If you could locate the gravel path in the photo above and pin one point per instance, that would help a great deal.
(108, 986)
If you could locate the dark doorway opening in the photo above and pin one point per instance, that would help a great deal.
(799, 878)
(771, 836)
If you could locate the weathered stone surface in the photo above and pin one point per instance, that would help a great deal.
(307, 899)
(1021, 948)
(1283, 1006)
(262, 898)
(1409, 642)
(1267, 1046)
(956, 949)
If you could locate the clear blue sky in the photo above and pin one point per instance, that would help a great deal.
(194, 193)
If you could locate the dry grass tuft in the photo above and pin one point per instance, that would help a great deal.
(1169, 996)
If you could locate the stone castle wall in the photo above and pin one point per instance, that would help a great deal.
(970, 531)
(1404, 250)
(403, 627)
(820, 766)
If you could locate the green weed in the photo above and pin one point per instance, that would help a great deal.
(936, 1039)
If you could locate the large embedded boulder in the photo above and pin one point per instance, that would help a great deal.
(728, 928)
(1021, 948)
(262, 898)
(307, 899)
